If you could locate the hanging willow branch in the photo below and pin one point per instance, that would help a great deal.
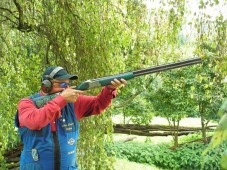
(6, 17)
(22, 26)
(19, 22)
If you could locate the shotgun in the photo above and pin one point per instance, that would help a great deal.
(104, 81)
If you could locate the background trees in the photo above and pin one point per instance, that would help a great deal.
(99, 38)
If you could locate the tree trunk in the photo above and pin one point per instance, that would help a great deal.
(201, 110)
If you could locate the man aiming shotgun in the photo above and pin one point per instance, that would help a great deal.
(48, 121)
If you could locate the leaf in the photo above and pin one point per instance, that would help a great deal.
(223, 108)
(223, 160)
(192, 88)
(220, 134)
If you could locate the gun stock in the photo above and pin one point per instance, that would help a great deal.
(104, 81)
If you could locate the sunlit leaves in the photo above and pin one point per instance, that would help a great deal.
(223, 160)
(223, 108)
(220, 134)
(99, 38)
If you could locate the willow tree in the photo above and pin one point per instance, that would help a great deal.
(84, 37)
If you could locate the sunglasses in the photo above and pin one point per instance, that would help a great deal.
(63, 84)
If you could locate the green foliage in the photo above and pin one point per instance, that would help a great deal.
(186, 157)
(211, 47)
(19, 74)
(206, 90)
(173, 94)
(189, 138)
(95, 39)
(141, 153)
(220, 135)
(83, 37)
(223, 160)
(223, 108)
(172, 99)
(137, 109)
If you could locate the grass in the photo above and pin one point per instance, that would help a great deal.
(117, 137)
(122, 164)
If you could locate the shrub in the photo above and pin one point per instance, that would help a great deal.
(187, 156)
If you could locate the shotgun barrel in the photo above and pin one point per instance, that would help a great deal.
(104, 81)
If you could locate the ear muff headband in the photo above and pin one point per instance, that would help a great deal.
(46, 81)
(52, 74)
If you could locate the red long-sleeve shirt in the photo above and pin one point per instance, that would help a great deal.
(35, 119)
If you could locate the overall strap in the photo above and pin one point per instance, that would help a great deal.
(34, 96)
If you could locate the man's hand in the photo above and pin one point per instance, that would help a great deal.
(117, 83)
(70, 95)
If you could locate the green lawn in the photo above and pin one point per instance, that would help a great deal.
(122, 164)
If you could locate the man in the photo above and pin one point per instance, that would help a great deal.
(50, 133)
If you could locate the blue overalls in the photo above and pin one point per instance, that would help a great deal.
(46, 150)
